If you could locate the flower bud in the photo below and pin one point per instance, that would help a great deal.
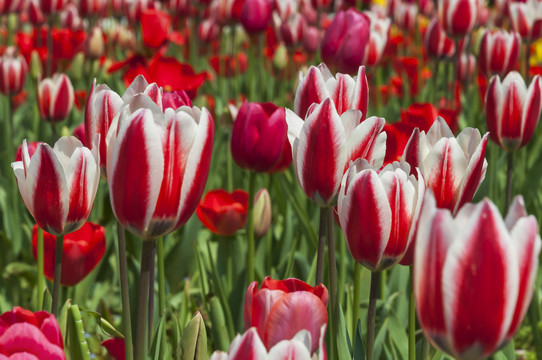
(194, 339)
(94, 46)
(262, 212)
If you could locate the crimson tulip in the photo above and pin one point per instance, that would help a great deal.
(324, 144)
(458, 17)
(256, 15)
(82, 251)
(512, 110)
(526, 19)
(115, 348)
(343, 46)
(55, 97)
(13, 70)
(499, 52)
(453, 168)
(223, 213)
(474, 275)
(157, 164)
(437, 44)
(277, 308)
(58, 185)
(345, 92)
(28, 335)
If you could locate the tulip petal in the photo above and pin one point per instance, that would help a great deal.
(262, 302)
(26, 338)
(531, 109)
(340, 89)
(289, 349)
(247, 347)
(311, 89)
(368, 142)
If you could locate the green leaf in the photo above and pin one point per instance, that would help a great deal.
(344, 349)
(218, 329)
(359, 347)
(156, 344)
(78, 346)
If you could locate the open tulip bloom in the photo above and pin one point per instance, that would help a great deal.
(474, 275)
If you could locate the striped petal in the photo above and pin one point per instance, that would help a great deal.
(367, 141)
(531, 109)
(247, 347)
(311, 89)
(289, 349)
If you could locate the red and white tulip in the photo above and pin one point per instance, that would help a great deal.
(458, 17)
(526, 19)
(437, 44)
(13, 70)
(499, 52)
(378, 39)
(405, 14)
(55, 97)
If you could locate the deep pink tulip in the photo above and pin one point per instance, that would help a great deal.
(345, 92)
(49, 7)
(157, 165)
(474, 275)
(58, 185)
(453, 168)
(499, 52)
(55, 97)
(325, 143)
(378, 39)
(512, 110)
(437, 44)
(458, 17)
(312, 37)
(13, 70)
(343, 46)
(378, 212)
(26, 335)
(526, 19)
(278, 310)
(256, 15)
(259, 134)
(405, 14)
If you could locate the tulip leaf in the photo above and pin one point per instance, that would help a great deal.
(47, 300)
(156, 344)
(507, 353)
(359, 347)
(344, 348)
(105, 325)
(78, 346)
(218, 329)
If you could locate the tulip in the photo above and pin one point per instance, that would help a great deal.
(262, 212)
(11, 6)
(157, 164)
(256, 15)
(223, 213)
(453, 168)
(13, 69)
(405, 14)
(437, 44)
(324, 144)
(291, 29)
(194, 340)
(115, 348)
(208, 30)
(276, 310)
(259, 136)
(95, 45)
(378, 212)
(345, 92)
(458, 17)
(35, 15)
(175, 99)
(70, 19)
(31, 146)
(312, 37)
(286, 8)
(180, 7)
(378, 39)
(512, 110)
(58, 185)
(526, 19)
(345, 40)
(465, 67)
(499, 52)
(91, 7)
(28, 335)
(55, 97)
(49, 7)
(79, 133)
(474, 275)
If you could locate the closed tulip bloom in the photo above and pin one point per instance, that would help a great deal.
(290, 30)
(474, 275)
(278, 310)
(378, 40)
(259, 134)
(82, 251)
(70, 18)
(13, 70)
(345, 91)
(208, 30)
(453, 168)
(512, 110)
(11, 6)
(499, 52)
(256, 15)
(157, 165)
(343, 46)
(222, 212)
(28, 335)
(405, 14)
(437, 44)
(91, 7)
(466, 67)
(55, 97)
(458, 17)
(58, 185)
(49, 7)
(378, 212)
(526, 19)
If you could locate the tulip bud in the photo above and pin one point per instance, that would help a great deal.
(437, 44)
(55, 97)
(49, 7)
(95, 46)
(499, 52)
(194, 340)
(256, 15)
(526, 19)
(458, 17)
(262, 212)
(36, 68)
(280, 58)
(13, 69)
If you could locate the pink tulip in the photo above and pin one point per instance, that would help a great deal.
(458, 17)
(512, 110)
(324, 144)
(474, 275)
(256, 15)
(58, 185)
(13, 70)
(437, 44)
(55, 97)
(526, 19)
(499, 52)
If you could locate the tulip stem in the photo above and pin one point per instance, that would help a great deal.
(161, 276)
(41, 277)
(509, 172)
(411, 320)
(371, 316)
(143, 300)
(250, 228)
(357, 300)
(321, 246)
(152, 265)
(125, 296)
(58, 270)
(332, 262)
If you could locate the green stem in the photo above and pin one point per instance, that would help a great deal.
(161, 276)
(58, 274)
(250, 228)
(509, 172)
(143, 300)
(357, 298)
(150, 323)
(534, 317)
(41, 277)
(371, 316)
(125, 295)
(411, 320)
(425, 348)
(332, 262)
(322, 230)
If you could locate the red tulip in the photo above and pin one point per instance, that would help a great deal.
(133, 9)
(157, 165)
(49, 7)
(324, 144)
(499, 52)
(278, 310)
(345, 92)
(526, 19)
(223, 213)
(378, 212)
(155, 27)
(398, 134)
(28, 335)
(256, 15)
(259, 134)
(58, 185)
(437, 44)
(453, 168)
(55, 97)
(82, 250)
(13, 71)
(512, 110)
(79, 133)
(115, 348)
(458, 17)
(423, 115)
(474, 275)
(345, 40)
